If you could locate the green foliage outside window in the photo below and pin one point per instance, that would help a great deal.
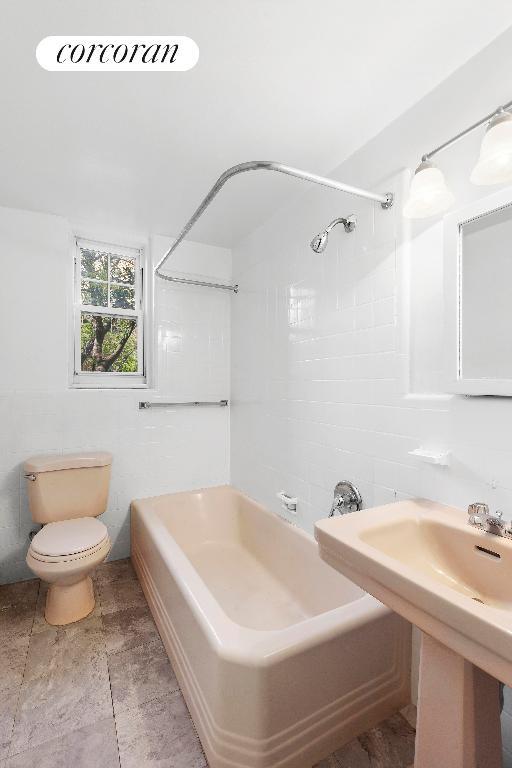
(108, 342)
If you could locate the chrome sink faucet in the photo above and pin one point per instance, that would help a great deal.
(480, 517)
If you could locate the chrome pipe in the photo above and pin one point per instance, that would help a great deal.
(462, 134)
(145, 405)
(203, 283)
(386, 201)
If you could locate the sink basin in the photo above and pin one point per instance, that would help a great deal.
(424, 561)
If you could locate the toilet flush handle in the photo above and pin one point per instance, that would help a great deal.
(31, 477)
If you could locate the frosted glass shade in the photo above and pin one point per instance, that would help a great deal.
(428, 194)
(495, 162)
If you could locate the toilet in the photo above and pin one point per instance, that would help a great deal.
(66, 494)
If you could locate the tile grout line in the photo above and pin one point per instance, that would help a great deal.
(132, 647)
(98, 598)
(159, 696)
(153, 698)
(20, 686)
(30, 635)
(115, 653)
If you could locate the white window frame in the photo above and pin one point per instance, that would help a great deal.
(110, 379)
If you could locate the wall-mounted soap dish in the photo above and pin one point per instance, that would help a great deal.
(288, 502)
(428, 456)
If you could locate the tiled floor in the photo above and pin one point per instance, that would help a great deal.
(102, 694)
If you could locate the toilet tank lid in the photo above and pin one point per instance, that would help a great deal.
(53, 462)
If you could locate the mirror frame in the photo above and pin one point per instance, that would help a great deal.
(452, 261)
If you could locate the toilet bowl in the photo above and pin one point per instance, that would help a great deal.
(64, 554)
(66, 493)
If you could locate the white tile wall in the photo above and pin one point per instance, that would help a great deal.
(154, 451)
(321, 374)
(317, 392)
(337, 358)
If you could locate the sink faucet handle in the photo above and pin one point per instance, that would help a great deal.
(478, 511)
(496, 519)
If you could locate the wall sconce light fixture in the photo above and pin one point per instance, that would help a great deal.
(429, 193)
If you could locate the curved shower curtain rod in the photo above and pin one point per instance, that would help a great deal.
(386, 201)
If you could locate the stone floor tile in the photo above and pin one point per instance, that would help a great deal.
(352, 755)
(159, 733)
(328, 762)
(56, 649)
(507, 759)
(16, 621)
(13, 658)
(20, 593)
(17, 608)
(410, 713)
(390, 744)
(8, 705)
(114, 571)
(93, 745)
(120, 595)
(139, 675)
(60, 702)
(507, 699)
(129, 628)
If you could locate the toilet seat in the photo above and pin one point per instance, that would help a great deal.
(69, 540)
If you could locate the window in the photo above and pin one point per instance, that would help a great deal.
(109, 319)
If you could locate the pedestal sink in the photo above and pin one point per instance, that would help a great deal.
(454, 582)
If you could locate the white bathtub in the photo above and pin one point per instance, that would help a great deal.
(280, 658)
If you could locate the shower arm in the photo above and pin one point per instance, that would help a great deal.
(349, 224)
(386, 201)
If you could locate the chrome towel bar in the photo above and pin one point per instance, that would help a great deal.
(144, 405)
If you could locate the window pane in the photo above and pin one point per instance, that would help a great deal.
(122, 270)
(108, 344)
(93, 263)
(122, 297)
(94, 293)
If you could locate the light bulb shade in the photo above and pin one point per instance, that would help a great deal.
(495, 162)
(428, 194)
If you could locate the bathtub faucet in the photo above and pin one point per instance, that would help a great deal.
(347, 498)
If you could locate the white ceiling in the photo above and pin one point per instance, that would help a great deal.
(304, 82)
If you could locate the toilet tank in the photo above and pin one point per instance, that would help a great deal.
(61, 487)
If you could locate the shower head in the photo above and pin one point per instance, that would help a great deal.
(319, 242)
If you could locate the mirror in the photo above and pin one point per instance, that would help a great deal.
(486, 296)
(478, 267)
